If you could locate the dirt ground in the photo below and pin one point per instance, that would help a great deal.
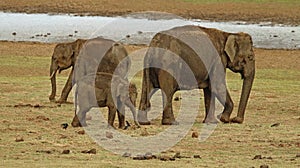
(30, 125)
(277, 11)
(32, 136)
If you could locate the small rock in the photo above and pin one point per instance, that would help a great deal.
(81, 132)
(128, 36)
(139, 157)
(109, 135)
(269, 158)
(257, 157)
(19, 139)
(75, 31)
(164, 158)
(14, 33)
(293, 31)
(67, 151)
(264, 166)
(139, 32)
(148, 156)
(92, 151)
(44, 151)
(45, 35)
(48, 34)
(126, 154)
(275, 125)
(275, 36)
(298, 155)
(64, 125)
(70, 35)
(195, 134)
(197, 156)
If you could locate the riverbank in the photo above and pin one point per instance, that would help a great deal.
(282, 12)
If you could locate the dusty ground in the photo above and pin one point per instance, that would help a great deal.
(24, 80)
(223, 10)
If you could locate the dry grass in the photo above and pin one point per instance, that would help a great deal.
(274, 99)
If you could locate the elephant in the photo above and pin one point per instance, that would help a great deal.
(233, 50)
(102, 55)
(64, 57)
(104, 91)
(86, 56)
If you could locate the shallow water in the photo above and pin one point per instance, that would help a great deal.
(131, 30)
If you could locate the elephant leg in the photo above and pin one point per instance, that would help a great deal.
(132, 109)
(168, 89)
(84, 106)
(209, 102)
(121, 113)
(228, 107)
(79, 119)
(147, 92)
(66, 90)
(111, 115)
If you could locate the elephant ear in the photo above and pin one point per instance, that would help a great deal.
(230, 47)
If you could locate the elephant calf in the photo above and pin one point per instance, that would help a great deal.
(103, 90)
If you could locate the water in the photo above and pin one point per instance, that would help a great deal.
(131, 30)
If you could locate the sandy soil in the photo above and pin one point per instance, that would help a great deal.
(287, 12)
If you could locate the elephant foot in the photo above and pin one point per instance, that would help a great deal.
(211, 121)
(225, 118)
(238, 120)
(61, 101)
(77, 123)
(121, 126)
(137, 124)
(142, 118)
(52, 99)
(167, 121)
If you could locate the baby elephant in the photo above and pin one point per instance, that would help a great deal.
(103, 90)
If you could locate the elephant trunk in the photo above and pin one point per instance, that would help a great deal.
(53, 69)
(248, 76)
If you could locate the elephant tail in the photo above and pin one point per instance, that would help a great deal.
(76, 98)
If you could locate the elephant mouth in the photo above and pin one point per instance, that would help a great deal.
(234, 68)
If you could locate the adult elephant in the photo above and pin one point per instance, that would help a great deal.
(86, 56)
(64, 57)
(234, 50)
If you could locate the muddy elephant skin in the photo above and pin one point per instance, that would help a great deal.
(234, 50)
(105, 90)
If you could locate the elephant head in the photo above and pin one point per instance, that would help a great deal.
(238, 48)
(64, 57)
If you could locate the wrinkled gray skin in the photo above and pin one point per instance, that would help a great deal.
(84, 57)
(236, 52)
(101, 92)
(64, 57)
